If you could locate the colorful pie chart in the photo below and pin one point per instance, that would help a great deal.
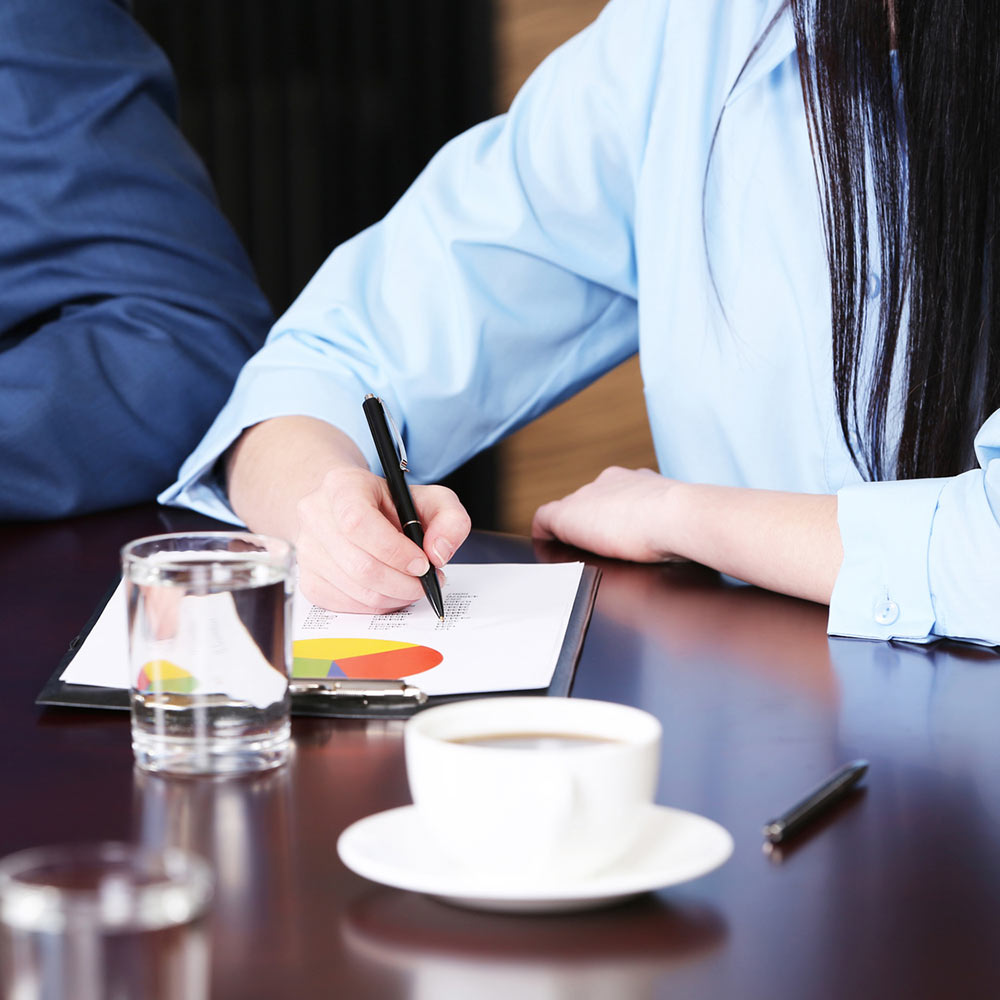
(164, 676)
(382, 659)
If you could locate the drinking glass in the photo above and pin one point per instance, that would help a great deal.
(106, 920)
(209, 651)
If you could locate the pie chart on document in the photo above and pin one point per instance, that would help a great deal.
(382, 659)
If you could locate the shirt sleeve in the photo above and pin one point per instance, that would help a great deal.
(127, 305)
(922, 557)
(502, 282)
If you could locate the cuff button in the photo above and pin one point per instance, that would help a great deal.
(886, 612)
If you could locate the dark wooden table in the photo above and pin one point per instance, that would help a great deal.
(895, 894)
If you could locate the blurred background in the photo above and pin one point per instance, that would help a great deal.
(313, 116)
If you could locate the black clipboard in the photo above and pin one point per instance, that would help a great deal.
(362, 701)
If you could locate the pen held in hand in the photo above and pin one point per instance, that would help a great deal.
(818, 800)
(393, 466)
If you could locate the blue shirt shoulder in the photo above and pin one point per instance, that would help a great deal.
(127, 305)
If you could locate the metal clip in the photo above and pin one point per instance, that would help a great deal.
(380, 692)
(397, 436)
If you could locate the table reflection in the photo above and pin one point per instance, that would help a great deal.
(439, 952)
(243, 826)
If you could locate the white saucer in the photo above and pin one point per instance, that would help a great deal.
(392, 848)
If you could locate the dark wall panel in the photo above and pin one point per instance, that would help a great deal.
(313, 116)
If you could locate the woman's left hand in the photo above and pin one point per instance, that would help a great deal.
(621, 514)
(788, 542)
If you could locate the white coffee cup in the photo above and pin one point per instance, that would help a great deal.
(567, 807)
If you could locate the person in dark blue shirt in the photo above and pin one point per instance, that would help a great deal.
(127, 305)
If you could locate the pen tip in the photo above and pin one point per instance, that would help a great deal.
(441, 618)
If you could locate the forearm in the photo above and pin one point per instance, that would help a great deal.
(274, 464)
(787, 542)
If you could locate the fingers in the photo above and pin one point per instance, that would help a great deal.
(541, 523)
(621, 514)
(352, 555)
(322, 592)
(571, 520)
(163, 607)
(446, 522)
(550, 519)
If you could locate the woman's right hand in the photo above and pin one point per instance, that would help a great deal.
(353, 555)
(304, 480)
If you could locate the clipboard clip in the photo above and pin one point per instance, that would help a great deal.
(374, 693)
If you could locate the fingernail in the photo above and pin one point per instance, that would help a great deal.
(418, 567)
(443, 551)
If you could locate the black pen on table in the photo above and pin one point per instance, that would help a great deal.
(822, 797)
(393, 467)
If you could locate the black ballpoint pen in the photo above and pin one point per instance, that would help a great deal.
(820, 798)
(393, 467)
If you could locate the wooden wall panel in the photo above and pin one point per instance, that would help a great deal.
(605, 424)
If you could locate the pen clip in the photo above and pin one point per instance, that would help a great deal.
(396, 435)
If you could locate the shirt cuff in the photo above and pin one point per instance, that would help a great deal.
(260, 394)
(883, 588)
(963, 555)
(203, 491)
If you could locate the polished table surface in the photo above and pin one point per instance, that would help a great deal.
(896, 893)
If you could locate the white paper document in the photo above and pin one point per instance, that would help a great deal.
(503, 630)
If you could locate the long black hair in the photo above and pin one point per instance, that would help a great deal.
(911, 156)
(922, 137)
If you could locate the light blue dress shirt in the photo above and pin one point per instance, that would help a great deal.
(541, 248)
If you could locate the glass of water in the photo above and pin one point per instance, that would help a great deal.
(209, 651)
(96, 921)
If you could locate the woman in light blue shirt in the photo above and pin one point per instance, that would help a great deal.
(786, 208)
